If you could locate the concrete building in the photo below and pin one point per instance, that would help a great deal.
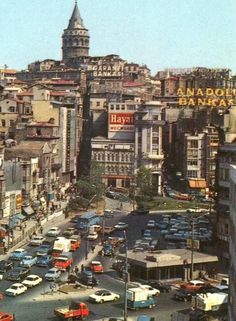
(75, 40)
(116, 159)
(149, 122)
(167, 264)
(8, 115)
(232, 246)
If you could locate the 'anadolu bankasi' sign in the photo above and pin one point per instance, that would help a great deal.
(212, 97)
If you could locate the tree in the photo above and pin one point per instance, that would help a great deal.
(144, 182)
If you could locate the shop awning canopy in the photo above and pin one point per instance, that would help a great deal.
(28, 210)
(197, 183)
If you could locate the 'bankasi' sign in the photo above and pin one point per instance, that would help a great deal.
(121, 122)
(212, 97)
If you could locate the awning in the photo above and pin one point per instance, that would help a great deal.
(197, 183)
(28, 210)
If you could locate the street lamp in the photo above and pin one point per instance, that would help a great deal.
(126, 276)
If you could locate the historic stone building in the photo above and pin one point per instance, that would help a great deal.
(75, 40)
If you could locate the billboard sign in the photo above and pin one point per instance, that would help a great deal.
(121, 122)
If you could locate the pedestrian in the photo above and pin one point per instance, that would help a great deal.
(92, 248)
(82, 268)
(41, 229)
(76, 269)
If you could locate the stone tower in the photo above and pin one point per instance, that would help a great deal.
(75, 40)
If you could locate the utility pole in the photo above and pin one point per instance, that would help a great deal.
(126, 276)
(192, 249)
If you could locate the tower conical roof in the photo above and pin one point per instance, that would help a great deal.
(75, 20)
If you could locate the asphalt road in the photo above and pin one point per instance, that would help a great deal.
(38, 304)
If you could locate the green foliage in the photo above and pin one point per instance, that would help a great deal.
(75, 204)
(146, 188)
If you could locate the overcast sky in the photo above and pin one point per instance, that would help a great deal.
(158, 33)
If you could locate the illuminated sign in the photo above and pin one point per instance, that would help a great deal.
(121, 122)
(211, 97)
(18, 201)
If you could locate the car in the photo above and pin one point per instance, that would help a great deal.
(121, 226)
(147, 233)
(37, 240)
(92, 236)
(161, 286)
(103, 296)
(53, 231)
(18, 255)
(184, 295)
(32, 280)
(69, 232)
(151, 291)
(43, 249)
(5, 266)
(6, 316)
(151, 224)
(16, 289)
(53, 274)
(193, 285)
(112, 195)
(44, 261)
(96, 267)
(108, 230)
(18, 273)
(107, 250)
(108, 213)
(28, 261)
(87, 278)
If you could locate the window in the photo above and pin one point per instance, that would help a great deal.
(98, 103)
(11, 109)
(3, 123)
(11, 122)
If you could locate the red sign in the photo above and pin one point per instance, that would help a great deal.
(121, 122)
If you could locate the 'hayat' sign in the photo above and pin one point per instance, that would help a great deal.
(121, 122)
(212, 97)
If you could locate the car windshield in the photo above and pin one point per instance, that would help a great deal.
(99, 292)
(14, 287)
(30, 278)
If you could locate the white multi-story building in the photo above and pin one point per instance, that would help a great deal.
(148, 139)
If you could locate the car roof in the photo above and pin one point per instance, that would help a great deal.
(32, 275)
(96, 262)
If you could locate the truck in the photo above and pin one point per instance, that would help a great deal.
(64, 261)
(75, 242)
(139, 298)
(61, 244)
(76, 310)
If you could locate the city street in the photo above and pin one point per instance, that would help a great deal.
(39, 300)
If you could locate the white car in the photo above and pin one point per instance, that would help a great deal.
(16, 289)
(103, 296)
(37, 240)
(121, 226)
(53, 231)
(151, 291)
(151, 224)
(92, 236)
(32, 280)
(53, 274)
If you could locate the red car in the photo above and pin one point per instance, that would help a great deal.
(193, 285)
(64, 261)
(96, 267)
(6, 316)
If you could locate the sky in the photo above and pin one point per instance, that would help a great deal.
(158, 33)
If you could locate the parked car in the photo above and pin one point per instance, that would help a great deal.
(69, 232)
(147, 233)
(53, 274)
(92, 236)
(161, 286)
(37, 240)
(5, 266)
(18, 254)
(16, 289)
(53, 231)
(184, 295)
(151, 224)
(108, 213)
(193, 285)
(18, 273)
(121, 226)
(103, 296)
(44, 261)
(32, 280)
(28, 261)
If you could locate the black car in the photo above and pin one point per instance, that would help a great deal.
(161, 286)
(87, 278)
(5, 266)
(18, 273)
(184, 295)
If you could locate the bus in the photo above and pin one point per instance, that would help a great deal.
(86, 220)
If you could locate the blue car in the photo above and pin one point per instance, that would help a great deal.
(18, 255)
(28, 261)
(44, 261)
(44, 249)
(107, 250)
